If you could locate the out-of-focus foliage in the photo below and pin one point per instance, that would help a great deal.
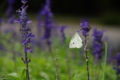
(71, 63)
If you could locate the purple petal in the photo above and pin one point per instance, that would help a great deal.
(16, 21)
(30, 50)
(29, 21)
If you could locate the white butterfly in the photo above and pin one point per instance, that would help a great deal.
(76, 41)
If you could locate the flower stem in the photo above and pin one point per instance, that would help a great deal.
(56, 69)
(26, 61)
(87, 63)
(27, 67)
(105, 61)
(49, 45)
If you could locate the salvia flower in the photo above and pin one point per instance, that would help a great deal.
(25, 30)
(85, 28)
(10, 10)
(26, 35)
(117, 68)
(97, 43)
(117, 58)
(46, 12)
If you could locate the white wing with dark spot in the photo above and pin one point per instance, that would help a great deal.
(76, 41)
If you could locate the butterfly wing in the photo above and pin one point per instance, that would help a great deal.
(76, 41)
(71, 45)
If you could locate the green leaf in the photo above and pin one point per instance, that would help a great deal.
(44, 75)
(23, 77)
(13, 76)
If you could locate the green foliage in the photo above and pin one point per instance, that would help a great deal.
(42, 66)
(23, 74)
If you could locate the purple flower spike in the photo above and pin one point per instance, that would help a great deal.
(117, 58)
(85, 28)
(10, 11)
(25, 30)
(26, 35)
(97, 34)
(117, 67)
(97, 43)
(47, 21)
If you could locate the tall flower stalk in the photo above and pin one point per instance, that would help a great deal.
(46, 12)
(56, 66)
(97, 43)
(85, 28)
(97, 46)
(117, 67)
(10, 22)
(10, 11)
(26, 35)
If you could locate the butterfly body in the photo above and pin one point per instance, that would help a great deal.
(76, 41)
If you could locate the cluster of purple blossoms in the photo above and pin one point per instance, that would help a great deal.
(10, 11)
(117, 68)
(97, 43)
(25, 30)
(46, 12)
(48, 22)
(85, 28)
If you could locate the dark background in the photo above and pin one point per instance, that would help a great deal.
(78, 7)
(106, 12)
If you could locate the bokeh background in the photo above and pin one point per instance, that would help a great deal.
(103, 14)
(65, 21)
(71, 7)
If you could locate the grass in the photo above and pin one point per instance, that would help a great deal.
(71, 63)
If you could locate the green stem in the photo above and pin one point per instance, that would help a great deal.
(27, 67)
(87, 63)
(56, 68)
(105, 61)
